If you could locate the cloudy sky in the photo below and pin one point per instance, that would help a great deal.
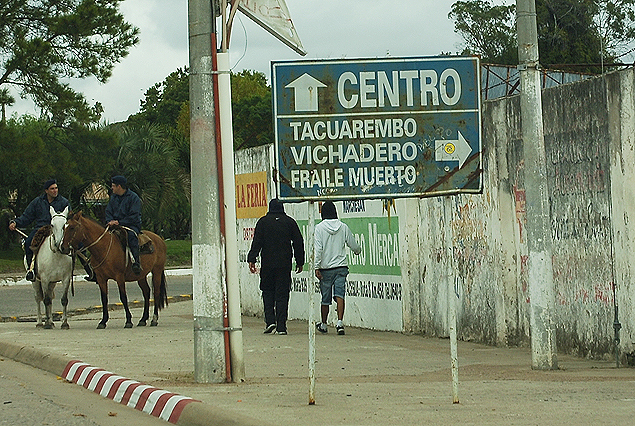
(327, 28)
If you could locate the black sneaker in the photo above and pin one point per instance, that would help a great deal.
(30, 275)
(282, 333)
(136, 268)
(340, 330)
(321, 327)
(270, 329)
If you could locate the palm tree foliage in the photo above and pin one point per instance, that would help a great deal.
(149, 159)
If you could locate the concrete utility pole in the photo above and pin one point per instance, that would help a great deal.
(541, 288)
(207, 251)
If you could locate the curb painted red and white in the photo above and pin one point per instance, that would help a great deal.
(154, 401)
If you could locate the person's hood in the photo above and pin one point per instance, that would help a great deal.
(332, 225)
(275, 206)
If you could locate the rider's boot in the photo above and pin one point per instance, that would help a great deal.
(86, 264)
(30, 274)
(136, 266)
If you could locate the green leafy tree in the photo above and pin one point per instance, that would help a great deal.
(615, 21)
(5, 100)
(34, 151)
(167, 103)
(569, 31)
(252, 113)
(43, 43)
(567, 34)
(488, 31)
(149, 160)
(163, 102)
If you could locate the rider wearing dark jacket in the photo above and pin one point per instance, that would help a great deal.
(39, 211)
(124, 209)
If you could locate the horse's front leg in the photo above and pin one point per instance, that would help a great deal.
(39, 297)
(65, 307)
(48, 308)
(103, 289)
(124, 301)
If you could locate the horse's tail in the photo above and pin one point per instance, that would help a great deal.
(163, 293)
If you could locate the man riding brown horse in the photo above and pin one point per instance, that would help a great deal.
(124, 209)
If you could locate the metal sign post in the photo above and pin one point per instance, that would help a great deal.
(377, 128)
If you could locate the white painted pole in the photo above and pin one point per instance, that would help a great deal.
(454, 357)
(311, 296)
(231, 235)
(207, 255)
(539, 243)
(451, 280)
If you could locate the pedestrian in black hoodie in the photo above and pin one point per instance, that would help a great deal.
(277, 239)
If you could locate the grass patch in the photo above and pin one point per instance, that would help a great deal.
(12, 260)
(179, 254)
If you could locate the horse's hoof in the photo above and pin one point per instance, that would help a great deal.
(101, 326)
(142, 323)
(154, 323)
(39, 325)
(65, 326)
(128, 325)
(49, 326)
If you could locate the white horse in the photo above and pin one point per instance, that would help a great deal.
(52, 267)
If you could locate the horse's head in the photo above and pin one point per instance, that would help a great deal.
(58, 220)
(72, 237)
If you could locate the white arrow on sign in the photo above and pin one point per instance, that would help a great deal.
(305, 92)
(452, 150)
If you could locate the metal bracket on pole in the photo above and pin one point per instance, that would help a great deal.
(525, 67)
(211, 72)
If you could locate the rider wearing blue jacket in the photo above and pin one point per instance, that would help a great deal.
(124, 209)
(39, 211)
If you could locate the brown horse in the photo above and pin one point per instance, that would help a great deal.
(108, 260)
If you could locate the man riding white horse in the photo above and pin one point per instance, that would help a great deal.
(38, 211)
(124, 209)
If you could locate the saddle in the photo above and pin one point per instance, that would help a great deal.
(39, 237)
(145, 243)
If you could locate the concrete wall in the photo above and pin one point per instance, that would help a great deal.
(374, 293)
(590, 144)
(472, 249)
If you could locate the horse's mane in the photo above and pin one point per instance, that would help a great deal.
(88, 218)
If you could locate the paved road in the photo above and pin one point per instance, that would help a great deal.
(18, 300)
(31, 397)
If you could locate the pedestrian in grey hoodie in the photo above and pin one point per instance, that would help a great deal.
(331, 267)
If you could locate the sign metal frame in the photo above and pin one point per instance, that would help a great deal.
(377, 128)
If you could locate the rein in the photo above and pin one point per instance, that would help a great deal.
(96, 241)
(106, 255)
(84, 249)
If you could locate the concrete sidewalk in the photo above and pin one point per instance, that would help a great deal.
(363, 378)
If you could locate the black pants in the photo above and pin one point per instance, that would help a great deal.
(133, 243)
(275, 284)
(27, 248)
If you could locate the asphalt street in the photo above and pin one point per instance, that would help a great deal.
(17, 301)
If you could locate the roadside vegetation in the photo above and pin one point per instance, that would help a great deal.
(179, 255)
